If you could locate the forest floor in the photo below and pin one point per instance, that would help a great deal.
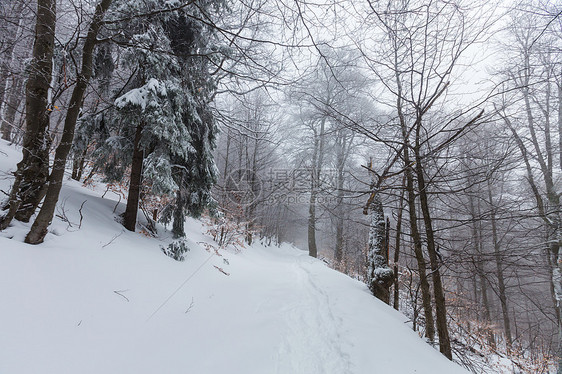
(95, 298)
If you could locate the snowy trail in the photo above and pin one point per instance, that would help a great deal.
(313, 340)
(278, 312)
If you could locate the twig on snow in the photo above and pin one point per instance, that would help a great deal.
(120, 294)
(190, 306)
(116, 205)
(81, 216)
(112, 239)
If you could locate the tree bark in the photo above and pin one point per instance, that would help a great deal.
(440, 308)
(418, 252)
(78, 166)
(312, 248)
(414, 230)
(130, 215)
(341, 156)
(396, 295)
(559, 86)
(380, 277)
(178, 229)
(45, 216)
(33, 170)
(317, 161)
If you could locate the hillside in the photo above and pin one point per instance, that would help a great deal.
(99, 299)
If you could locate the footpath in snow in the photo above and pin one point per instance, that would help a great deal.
(99, 299)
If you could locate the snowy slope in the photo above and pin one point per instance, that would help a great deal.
(100, 299)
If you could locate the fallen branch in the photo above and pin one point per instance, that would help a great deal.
(106, 189)
(208, 248)
(221, 270)
(116, 205)
(62, 213)
(81, 216)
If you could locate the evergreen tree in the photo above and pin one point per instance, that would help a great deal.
(91, 126)
(163, 126)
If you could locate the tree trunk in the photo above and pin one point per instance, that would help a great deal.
(226, 165)
(379, 275)
(130, 215)
(499, 270)
(338, 253)
(317, 162)
(479, 265)
(45, 216)
(78, 166)
(440, 308)
(33, 170)
(312, 249)
(8, 45)
(178, 229)
(418, 252)
(12, 105)
(396, 300)
(416, 238)
(411, 199)
(560, 123)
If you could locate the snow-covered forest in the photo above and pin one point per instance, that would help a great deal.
(413, 147)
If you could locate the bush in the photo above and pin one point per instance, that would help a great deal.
(176, 250)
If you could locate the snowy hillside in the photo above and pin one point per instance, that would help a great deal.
(99, 299)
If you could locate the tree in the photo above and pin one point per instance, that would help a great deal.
(536, 81)
(423, 43)
(379, 275)
(33, 170)
(163, 125)
(45, 216)
(328, 102)
(13, 16)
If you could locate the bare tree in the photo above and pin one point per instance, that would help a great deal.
(530, 113)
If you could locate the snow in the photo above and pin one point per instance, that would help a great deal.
(100, 299)
(142, 96)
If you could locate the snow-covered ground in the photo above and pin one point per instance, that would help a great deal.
(99, 299)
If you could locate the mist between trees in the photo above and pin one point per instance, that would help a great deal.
(414, 145)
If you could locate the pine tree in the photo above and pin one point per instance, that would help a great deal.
(163, 126)
(91, 126)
